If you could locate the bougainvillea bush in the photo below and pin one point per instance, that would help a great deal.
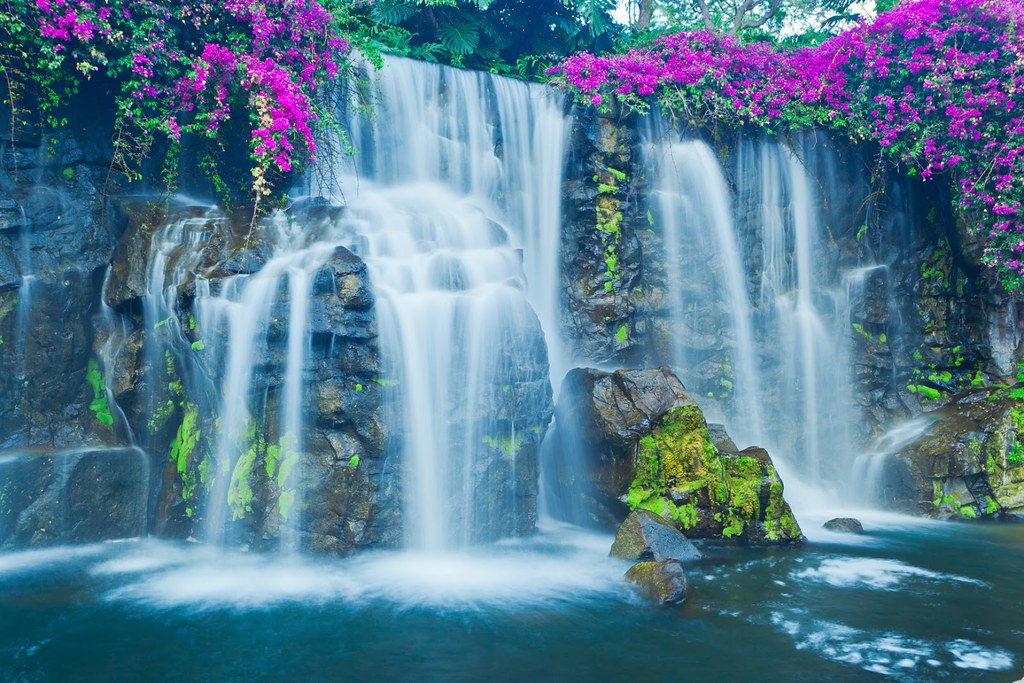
(192, 65)
(937, 84)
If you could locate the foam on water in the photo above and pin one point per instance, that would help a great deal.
(969, 655)
(541, 572)
(846, 572)
(888, 653)
(877, 524)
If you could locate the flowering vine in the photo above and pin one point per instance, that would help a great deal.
(190, 66)
(937, 84)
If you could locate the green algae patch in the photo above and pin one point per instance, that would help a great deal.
(240, 492)
(99, 405)
(508, 446)
(186, 438)
(279, 463)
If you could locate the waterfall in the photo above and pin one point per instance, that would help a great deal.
(453, 202)
(805, 316)
(760, 317)
(694, 209)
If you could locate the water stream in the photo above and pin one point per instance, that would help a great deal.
(761, 320)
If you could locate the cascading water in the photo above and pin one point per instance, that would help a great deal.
(804, 323)
(694, 208)
(769, 353)
(445, 195)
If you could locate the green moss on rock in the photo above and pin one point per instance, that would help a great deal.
(99, 404)
(680, 475)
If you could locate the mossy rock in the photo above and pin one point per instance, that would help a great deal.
(662, 582)
(844, 525)
(681, 476)
(965, 465)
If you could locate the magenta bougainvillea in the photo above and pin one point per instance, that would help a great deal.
(191, 64)
(937, 84)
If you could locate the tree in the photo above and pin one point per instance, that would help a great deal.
(760, 19)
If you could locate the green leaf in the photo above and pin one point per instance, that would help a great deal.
(385, 12)
(459, 39)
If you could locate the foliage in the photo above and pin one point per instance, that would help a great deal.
(256, 71)
(512, 37)
(99, 404)
(793, 22)
(186, 67)
(937, 84)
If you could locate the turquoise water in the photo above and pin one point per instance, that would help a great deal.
(910, 601)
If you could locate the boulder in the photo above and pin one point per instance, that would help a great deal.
(845, 525)
(967, 464)
(661, 582)
(599, 418)
(640, 441)
(707, 493)
(645, 536)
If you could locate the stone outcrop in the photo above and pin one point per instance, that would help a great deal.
(968, 464)
(913, 316)
(331, 488)
(599, 418)
(602, 243)
(649, 448)
(707, 493)
(52, 497)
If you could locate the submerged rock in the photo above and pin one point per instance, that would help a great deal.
(846, 525)
(662, 582)
(645, 536)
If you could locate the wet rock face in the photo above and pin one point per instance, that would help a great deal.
(352, 498)
(48, 498)
(332, 489)
(346, 494)
(967, 465)
(649, 447)
(602, 244)
(56, 232)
